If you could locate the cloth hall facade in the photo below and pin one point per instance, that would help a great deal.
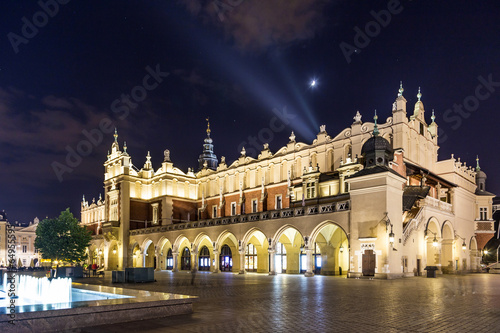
(373, 200)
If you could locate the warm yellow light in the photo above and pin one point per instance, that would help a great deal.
(114, 251)
(435, 242)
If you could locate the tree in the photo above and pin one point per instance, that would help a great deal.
(62, 238)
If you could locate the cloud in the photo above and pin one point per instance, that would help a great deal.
(256, 25)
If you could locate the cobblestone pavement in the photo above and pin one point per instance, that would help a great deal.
(293, 303)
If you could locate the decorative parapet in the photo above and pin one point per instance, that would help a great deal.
(484, 226)
(437, 204)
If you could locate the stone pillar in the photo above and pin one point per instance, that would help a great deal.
(106, 258)
(175, 257)
(309, 263)
(143, 259)
(272, 258)
(158, 261)
(341, 184)
(242, 262)
(215, 269)
(194, 258)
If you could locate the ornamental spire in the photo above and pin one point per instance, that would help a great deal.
(375, 127)
(433, 116)
(400, 93)
(125, 147)
(208, 126)
(419, 95)
(116, 135)
(478, 168)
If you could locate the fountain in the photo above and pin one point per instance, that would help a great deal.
(32, 290)
(42, 304)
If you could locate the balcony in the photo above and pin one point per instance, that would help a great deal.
(437, 204)
(331, 207)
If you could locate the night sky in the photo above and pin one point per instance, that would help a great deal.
(235, 61)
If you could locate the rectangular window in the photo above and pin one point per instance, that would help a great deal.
(25, 249)
(483, 213)
(233, 208)
(155, 213)
(214, 212)
(278, 201)
(310, 190)
(255, 206)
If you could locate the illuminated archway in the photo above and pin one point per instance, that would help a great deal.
(289, 254)
(165, 247)
(432, 238)
(330, 240)
(448, 264)
(256, 258)
(228, 257)
(113, 256)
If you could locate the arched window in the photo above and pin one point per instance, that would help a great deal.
(348, 152)
(204, 259)
(251, 258)
(226, 259)
(330, 160)
(186, 259)
(170, 260)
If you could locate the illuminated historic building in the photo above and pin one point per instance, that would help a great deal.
(372, 200)
(25, 253)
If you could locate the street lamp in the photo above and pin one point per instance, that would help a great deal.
(391, 236)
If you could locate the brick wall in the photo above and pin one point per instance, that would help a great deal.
(271, 196)
(482, 239)
(181, 210)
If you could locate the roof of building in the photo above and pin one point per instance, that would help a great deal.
(373, 170)
(412, 194)
(411, 167)
(483, 192)
(376, 143)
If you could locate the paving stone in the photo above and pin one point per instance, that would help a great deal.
(293, 303)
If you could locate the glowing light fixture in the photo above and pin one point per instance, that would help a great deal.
(485, 252)
(114, 251)
(341, 249)
(435, 241)
(464, 246)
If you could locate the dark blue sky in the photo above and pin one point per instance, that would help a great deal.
(235, 64)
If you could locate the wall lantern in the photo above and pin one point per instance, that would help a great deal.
(464, 246)
(435, 241)
(114, 250)
(341, 249)
(391, 236)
